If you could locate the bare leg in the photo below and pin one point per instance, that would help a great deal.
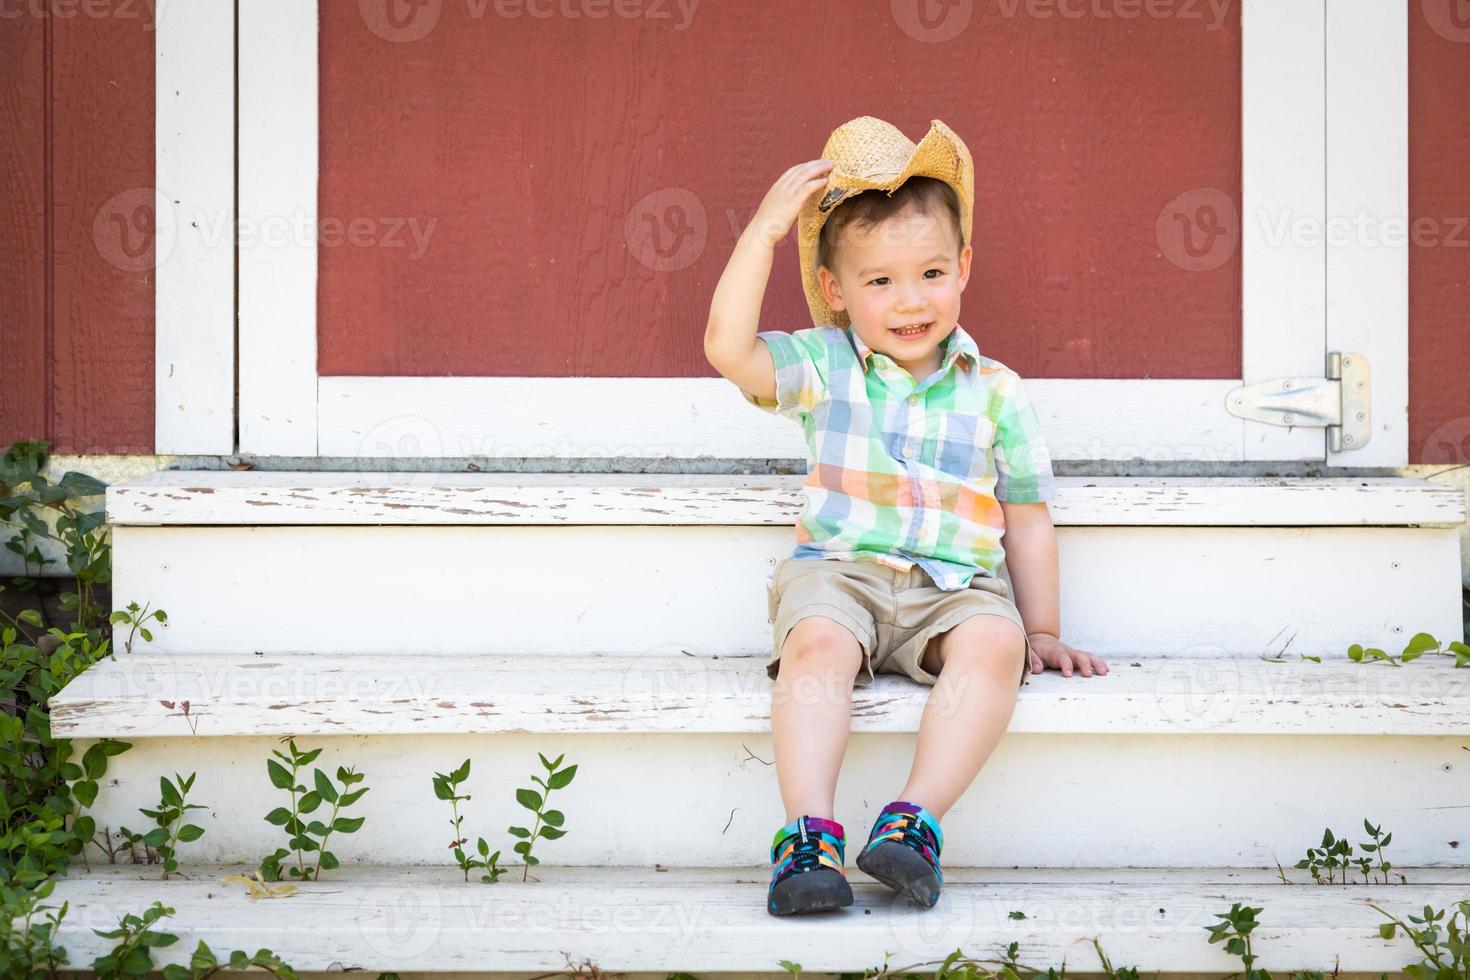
(979, 665)
(811, 713)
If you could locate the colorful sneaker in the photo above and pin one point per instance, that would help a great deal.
(903, 852)
(806, 876)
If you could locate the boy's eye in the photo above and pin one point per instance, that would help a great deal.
(883, 279)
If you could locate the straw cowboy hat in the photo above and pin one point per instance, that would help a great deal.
(870, 154)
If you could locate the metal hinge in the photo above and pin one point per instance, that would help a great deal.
(1341, 401)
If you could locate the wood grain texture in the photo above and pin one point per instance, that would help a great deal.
(399, 918)
(232, 497)
(23, 213)
(544, 187)
(103, 245)
(76, 324)
(1439, 263)
(178, 696)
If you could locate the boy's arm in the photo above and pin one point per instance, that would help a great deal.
(730, 343)
(1031, 559)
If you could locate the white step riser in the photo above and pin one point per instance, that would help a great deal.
(712, 800)
(1172, 591)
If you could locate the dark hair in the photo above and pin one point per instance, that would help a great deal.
(927, 194)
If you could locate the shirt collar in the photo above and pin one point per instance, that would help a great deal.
(958, 344)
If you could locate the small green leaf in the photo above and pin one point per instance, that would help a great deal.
(1386, 929)
(560, 779)
(528, 798)
(280, 778)
(190, 832)
(278, 816)
(324, 786)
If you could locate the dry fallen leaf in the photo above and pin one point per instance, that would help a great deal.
(259, 887)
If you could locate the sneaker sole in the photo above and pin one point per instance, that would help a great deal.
(903, 870)
(810, 891)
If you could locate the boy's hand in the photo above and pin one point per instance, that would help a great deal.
(1048, 651)
(782, 203)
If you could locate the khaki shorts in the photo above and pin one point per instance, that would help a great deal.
(894, 614)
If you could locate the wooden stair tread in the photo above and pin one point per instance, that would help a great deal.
(431, 920)
(162, 695)
(247, 498)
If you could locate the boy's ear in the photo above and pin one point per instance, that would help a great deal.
(966, 254)
(831, 290)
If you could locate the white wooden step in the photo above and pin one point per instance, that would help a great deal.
(1149, 800)
(431, 921)
(247, 498)
(170, 696)
(545, 590)
(543, 564)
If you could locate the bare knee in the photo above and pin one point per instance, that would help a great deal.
(979, 643)
(822, 646)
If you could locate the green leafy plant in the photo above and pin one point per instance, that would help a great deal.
(28, 932)
(304, 801)
(40, 510)
(169, 816)
(1419, 645)
(133, 955)
(1336, 854)
(134, 617)
(44, 790)
(1445, 955)
(548, 823)
(445, 786)
(1235, 931)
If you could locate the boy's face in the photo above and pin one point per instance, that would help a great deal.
(906, 270)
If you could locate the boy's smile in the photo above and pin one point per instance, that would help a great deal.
(906, 272)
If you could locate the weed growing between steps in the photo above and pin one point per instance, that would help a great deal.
(302, 834)
(169, 815)
(1419, 645)
(553, 820)
(1336, 854)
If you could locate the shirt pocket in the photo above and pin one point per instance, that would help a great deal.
(964, 441)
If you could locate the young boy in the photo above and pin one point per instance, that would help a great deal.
(923, 453)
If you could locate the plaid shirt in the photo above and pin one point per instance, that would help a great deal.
(907, 472)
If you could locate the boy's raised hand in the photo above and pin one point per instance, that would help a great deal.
(1048, 651)
(782, 203)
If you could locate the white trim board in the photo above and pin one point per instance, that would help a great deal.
(278, 217)
(194, 272)
(1367, 44)
(1287, 93)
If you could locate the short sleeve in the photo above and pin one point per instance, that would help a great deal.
(801, 372)
(1022, 463)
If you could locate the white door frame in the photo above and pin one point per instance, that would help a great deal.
(1321, 97)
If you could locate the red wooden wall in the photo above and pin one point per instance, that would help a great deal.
(76, 291)
(1439, 268)
(546, 151)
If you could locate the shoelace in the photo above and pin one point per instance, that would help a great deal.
(808, 847)
(916, 835)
